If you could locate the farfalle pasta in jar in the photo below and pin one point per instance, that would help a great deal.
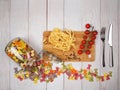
(21, 52)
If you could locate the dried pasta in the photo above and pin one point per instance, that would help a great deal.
(62, 40)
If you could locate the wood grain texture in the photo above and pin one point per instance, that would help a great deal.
(72, 20)
(119, 42)
(4, 38)
(55, 19)
(108, 16)
(29, 18)
(18, 28)
(91, 15)
(36, 25)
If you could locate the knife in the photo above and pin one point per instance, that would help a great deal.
(110, 43)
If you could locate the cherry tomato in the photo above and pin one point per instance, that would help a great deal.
(88, 52)
(93, 37)
(83, 41)
(85, 37)
(94, 32)
(87, 32)
(89, 46)
(87, 25)
(82, 46)
(80, 52)
(91, 42)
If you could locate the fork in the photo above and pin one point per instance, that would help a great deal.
(102, 36)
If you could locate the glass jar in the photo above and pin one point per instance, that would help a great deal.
(19, 51)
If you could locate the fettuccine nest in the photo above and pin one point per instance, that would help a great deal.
(62, 40)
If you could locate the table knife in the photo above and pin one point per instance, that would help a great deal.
(110, 43)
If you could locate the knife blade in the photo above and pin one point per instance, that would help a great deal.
(110, 43)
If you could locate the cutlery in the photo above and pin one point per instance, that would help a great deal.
(110, 43)
(102, 36)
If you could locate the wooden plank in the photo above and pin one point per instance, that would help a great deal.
(4, 38)
(18, 28)
(91, 14)
(72, 20)
(55, 19)
(37, 24)
(108, 16)
(119, 41)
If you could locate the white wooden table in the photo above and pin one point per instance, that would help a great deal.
(29, 18)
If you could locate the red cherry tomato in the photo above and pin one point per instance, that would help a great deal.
(83, 41)
(80, 52)
(88, 52)
(91, 42)
(94, 32)
(89, 46)
(87, 25)
(93, 37)
(82, 46)
(87, 32)
(85, 37)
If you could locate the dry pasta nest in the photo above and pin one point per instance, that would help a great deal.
(62, 40)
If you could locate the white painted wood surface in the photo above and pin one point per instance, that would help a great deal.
(109, 14)
(29, 18)
(55, 19)
(92, 15)
(72, 21)
(119, 42)
(4, 39)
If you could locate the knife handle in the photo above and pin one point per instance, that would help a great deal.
(111, 63)
(103, 56)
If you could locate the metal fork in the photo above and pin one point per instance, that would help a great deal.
(102, 36)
